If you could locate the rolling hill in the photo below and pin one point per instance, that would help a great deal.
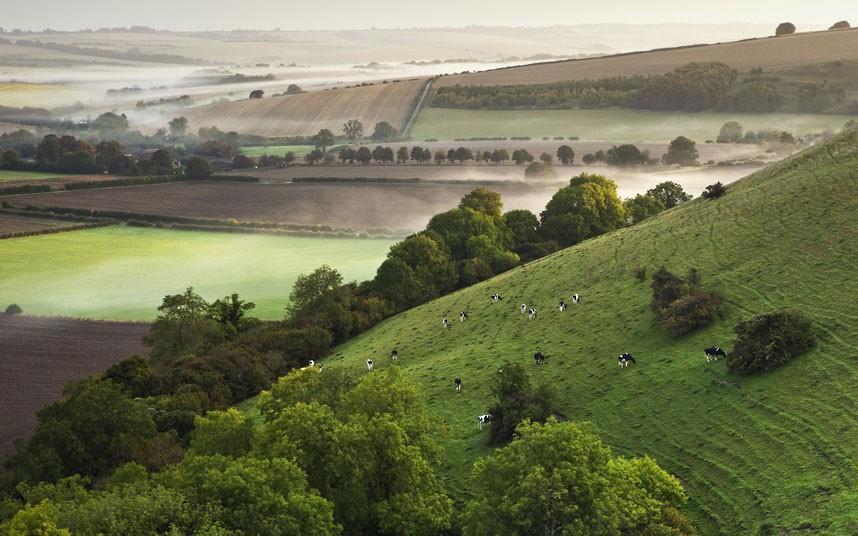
(769, 53)
(766, 454)
(306, 113)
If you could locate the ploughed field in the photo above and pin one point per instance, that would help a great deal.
(38, 356)
(769, 53)
(764, 454)
(12, 224)
(122, 273)
(305, 114)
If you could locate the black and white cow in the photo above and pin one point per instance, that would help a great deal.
(458, 383)
(562, 306)
(575, 299)
(321, 366)
(394, 355)
(531, 313)
(624, 359)
(713, 353)
(539, 357)
(311, 364)
(445, 323)
(369, 364)
(483, 419)
(463, 316)
(496, 297)
(522, 308)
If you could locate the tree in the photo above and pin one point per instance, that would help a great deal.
(669, 193)
(642, 207)
(314, 157)
(840, 25)
(523, 224)
(785, 28)
(384, 131)
(731, 132)
(10, 159)
(243, 162)
(440, 157)
(625, 155)
(566, 154)
(49, 150)
(516, 401)
(13, 309)
(770, 340)
(313, 288)
(499, 156)
(111, 121)
(294, 89)
(77, 162)
(363, 155)
(224, 433)
(324, 139)
(198, 168)
(353, 130)
(430, 265)
(183, 327)
(483, 200)
(178, 127)
(682, 151)
(558, 478)
(588, 207)
(539, 170)
(520, 156)
(714, 191)
(231, 311)
(546, 158)
(347, 154)
(402, 155)
(163, 159)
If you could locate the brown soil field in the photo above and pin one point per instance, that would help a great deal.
(358, 205)
(58, 181)
(770, 53)
(11, 224)
(38, 356)
(307, 113)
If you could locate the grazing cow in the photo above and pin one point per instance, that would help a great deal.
(539, 357)
(713, 353)
(522, 308)
(575, 299)
(483, 419)
(394, 355)
(321, 366)
(369, 364)
(562, 306)
(624, 359)
(463, 316)
(445, 323)
(531, 314)
(496, 297)
(458, 382)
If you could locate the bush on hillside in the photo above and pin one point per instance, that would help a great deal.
(785, 28)
(770, 340)
(14, 309)
(517, 401)
(714, 191)
(681, 306)
(840, 25)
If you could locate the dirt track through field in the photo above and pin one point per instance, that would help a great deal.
(38, 356)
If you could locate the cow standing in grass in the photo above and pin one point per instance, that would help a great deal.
(394, 355)
(575, 299)
(369, 364)
(624, 359)
(445, 323)
(531, 314)
(496, 297)
(539, 357)
(523, 308)
(483, 419)
(463, 316)
(713, 353)
(562, 306)
(458, 383)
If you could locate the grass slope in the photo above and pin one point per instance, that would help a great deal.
(775, 450)
(608, 125)
(121, 273)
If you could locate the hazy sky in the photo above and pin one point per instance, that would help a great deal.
(353, 14)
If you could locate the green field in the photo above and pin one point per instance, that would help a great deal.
(606, 125)
(769, 454)
(7, 175)
(123, 272)
(278, 150)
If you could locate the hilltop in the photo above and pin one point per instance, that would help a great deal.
(759, 454)
(768, 53)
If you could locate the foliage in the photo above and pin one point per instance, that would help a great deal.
(770, 340)
(566, 154)
(198, 168)
(588, 207)
(731, 132)
(755, 96)
(558, 478)
(714, 191)
(641, 207)
(681, 306)
(681, 151)
(626, 155)
(13, 309)
(669, 193)
(517, 401)
(384, 131)
(353, 129)
(178, 126)
(323, 139)
(243, 162)
(693, 87)
(111, 121)
(540, 171)
(785, 28)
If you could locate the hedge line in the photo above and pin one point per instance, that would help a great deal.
(25, 189)
(82, 226)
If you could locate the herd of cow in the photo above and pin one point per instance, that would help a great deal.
(623, 360)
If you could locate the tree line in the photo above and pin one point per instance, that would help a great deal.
(693, 87)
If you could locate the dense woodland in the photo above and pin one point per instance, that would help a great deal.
(695, 87)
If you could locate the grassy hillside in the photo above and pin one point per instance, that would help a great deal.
(770, 53)
(775, 451)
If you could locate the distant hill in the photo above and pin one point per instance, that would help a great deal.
(769, 53)
(768, 454)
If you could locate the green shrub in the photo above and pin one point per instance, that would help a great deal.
(690, 313)
(769, 340)
(714, 191)
(14, 309)
(539, 170)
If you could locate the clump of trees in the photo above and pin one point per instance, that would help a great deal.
(516, 400)
(540, 171)
(682, 306)
(714, 191)
(663, 196)
(840, 25)
(559, 478)
(587, 207)
(681, 151)
(731, 132)
(785, 28)
(770, 340)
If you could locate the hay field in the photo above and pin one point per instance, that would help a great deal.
(770, 53)
(305, 114)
